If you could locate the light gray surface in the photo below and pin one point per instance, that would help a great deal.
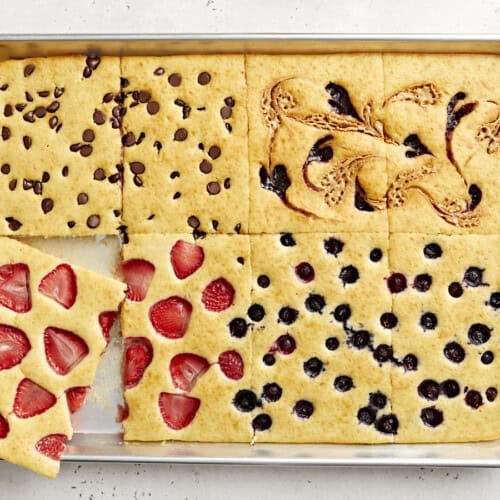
(93, 481)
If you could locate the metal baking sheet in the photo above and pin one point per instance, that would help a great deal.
(97, 436)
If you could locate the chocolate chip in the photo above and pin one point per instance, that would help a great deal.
(152, 107)
(228, 126)
(43, 93)
(93, 221)
(93, 61)
(491, 394)
(5, 133)
(237, 228)
(176, 195)
(137, 167)
(214, 152)
(40, 111)
(29, 117)
(158, 71)
(20, 107)
(175, 174)
(115, 177)
(28, 69)
(47, 205)
(240, 260)
(53, 121)
(8, 110)
(87, 72)
(86, 150)
(157, 145)
(27, 184)
(227, 183)
(215, 225)
(37, 187)
(99, 174)
(128, 139)
(53, 107)
(205, 167)
(387, 424)
(174, 79)
(180, 134)
(5, 169)
(4, 87)
(58, 92)
(137, 181)
(28, 96)
(229, 101)
(14, 224)
(65, 171)
(82, 199)
(27, 141)
(204, 78)
(124, 82)
(108, 97)
(226, 112)
(193, 222)
(144, 96)
(88, 135)
(213, 188)
(98, 117)
(71, 224)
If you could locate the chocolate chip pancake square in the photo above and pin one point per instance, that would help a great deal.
(442, 122)
(187, 338)
(185, 144)
(316, 145)
(60, 172)
(322, 324)
(446, 300)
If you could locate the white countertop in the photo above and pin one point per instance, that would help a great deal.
(96, 481)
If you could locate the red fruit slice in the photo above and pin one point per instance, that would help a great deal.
(31, 399)
(63, 349)
(60, 285)
(231, 364)
(15, 287)
(51, 446)
(4, 427)
(14, 345)
(138, 356)
(106, 321)
(170, 317)
(122, 412)
(186, 369)
(75, 396)
(177, 410)
(186, 258)
(218, 295)
(138, 274)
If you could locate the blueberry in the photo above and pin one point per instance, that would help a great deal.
(349, 275)
(429, 389)
(305, 272)
(433, 251)
(343, 383)
(387, 424)
(378, 400)
(286, 344)
(491, 394)
(487, 357)
(454, 352)
(332, 343)
(303, 408)
(313, 367)
(431, 416)
(262, 422)
(450, 388)
(360, 339)
(245, 400)
(396, 282)
(272, 392)
(428, 321)
(367, 415)
(473, 277)
(383, 353)
(238, 328)
(495, 300)
(478, 334)
(342, 313)
(315, 303)
(256, 312)
(269, 359)
(410, 362)
(422, 282)
(263, 281)
(455, 289)
(375, 255)
(286, 239)
(288, 315)
(388, 320)
(473, 399)
(333, 246)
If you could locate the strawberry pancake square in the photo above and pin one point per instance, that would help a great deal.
(54, 326)
(187, 337)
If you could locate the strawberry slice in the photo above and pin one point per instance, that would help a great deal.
(138, 274)
(51, 446)
(106, 321)
(170, 317)
(75, 396)
(186, 258)
(4, 427)
(218, 295)
(231, 365)
(138, 356)
(14, 345)
(63, 349)
(31, 399)
(15, 287)
(177, 410)
(122, 412)
(60, 285)
(186, 369)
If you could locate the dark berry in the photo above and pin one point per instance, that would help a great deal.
(478, 334)
(473, 277)
(454, 352)
(387, 424)
(378, 400)
(269, 359)
(315, 303)
(375, 255)
(473, 399)
(455, 289)
(383, 353)
(343, 383)
(262, 422)
(428, 321)
(342, 313)
(263, 281)
(288, 315)
(272, 392)
(410, 362)
(286, 239)
(333, 246)
(396, 282)
(429, 389)
(491, 394)
(388, 320)
(305, 272)
(433, 251)
(245, 400)
(450, 388)
(238, 328)
(360, 339)
(332, 343)
(303, 408)
(313, 367)
(286, 344)
(431, 416)
(367, 415)
(487, 358)
(349, 275)
(422, 282)
(495, 300)
(256, 312)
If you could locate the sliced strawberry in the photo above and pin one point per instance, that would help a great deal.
(186, 258)
(186, 369)
(75, 396)
(4, 427)
(15, 287)
(138, 356)
(51, 446)
(218, 295)
(170, 317)
(138, 274)
(177, 410)
(60, 285)
(231, 365)
(106, 321)
(63, 349)
(122, 413)
(31, 399)
(14, 345)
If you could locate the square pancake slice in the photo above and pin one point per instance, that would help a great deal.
(185, 144)
(54, 324)
(60, 159)
(187, 339)
(441, 117)
(446, 298)
(316, 145)
(321, 357)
